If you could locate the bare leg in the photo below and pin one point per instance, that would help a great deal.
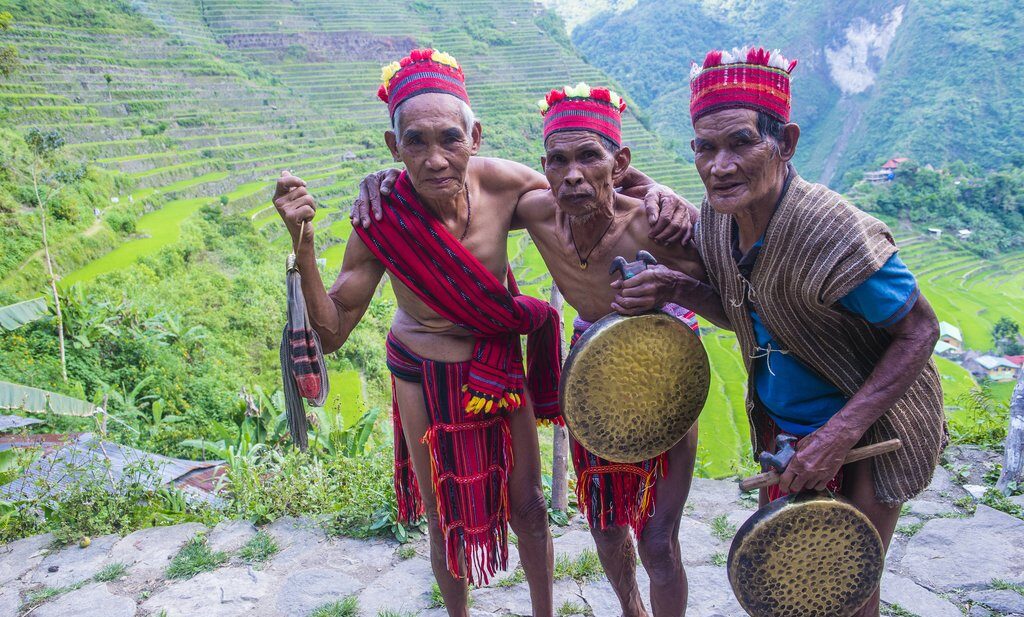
(618, 558)
(414, 424)
(859, 488)
(659, 544)
(529, 512)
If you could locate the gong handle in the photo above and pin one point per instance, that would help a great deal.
(771, 478)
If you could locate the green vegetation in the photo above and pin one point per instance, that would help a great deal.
(259, 549)
(583, 568)
(349, 607)
(110, 572)
(963, 112)
(194, 558)
(990, 205)
(569, 608)
(722, 529)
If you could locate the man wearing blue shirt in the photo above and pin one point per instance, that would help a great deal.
(835, 335)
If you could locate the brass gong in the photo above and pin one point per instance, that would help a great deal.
(806, 555)
(633, 386)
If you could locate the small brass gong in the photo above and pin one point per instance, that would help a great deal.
(806, 555)
(633, 386)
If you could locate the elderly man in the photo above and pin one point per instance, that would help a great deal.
(835, 335)
(463, 408)
(579, 226)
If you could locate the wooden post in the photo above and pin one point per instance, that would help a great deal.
(1013, 462)
(560, 439)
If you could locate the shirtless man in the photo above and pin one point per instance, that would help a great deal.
(579, 225)
(453, 347)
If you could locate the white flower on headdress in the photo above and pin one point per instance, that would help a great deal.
(543, 106)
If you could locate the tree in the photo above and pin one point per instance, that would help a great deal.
(1006, 333)
(1013, 461)
(44, 145)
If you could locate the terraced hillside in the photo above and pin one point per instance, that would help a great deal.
(193, 103)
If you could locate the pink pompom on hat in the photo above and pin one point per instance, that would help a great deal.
(582, 108)
(422, 71)
(747, 77)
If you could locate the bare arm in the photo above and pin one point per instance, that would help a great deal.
(820, 456)
(659, 285)
(332, 314)
(671, 216)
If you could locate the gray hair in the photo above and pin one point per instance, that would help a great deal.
(468, 118)
(770, 129)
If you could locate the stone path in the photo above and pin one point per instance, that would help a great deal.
(942, 563)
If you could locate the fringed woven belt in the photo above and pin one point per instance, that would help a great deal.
(302, 358)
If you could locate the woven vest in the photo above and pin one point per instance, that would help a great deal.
(816, 250)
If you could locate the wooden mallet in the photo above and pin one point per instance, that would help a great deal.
(771, 478)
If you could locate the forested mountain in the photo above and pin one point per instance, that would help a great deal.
(933, 80)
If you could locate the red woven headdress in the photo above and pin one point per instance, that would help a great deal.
(422, 71)
(752, 78)
(582, 108)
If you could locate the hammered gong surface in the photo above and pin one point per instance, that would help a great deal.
(633, 386)
(806, 556)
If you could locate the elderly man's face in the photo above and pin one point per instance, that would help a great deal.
(582, 172)
(740, 169)
(433, 144)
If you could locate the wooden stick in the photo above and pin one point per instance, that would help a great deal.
(771, 478)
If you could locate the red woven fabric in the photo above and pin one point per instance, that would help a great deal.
(470, 459)
(577, 114)
(752, 85)
(421, 253)
(617, 494)
(420, 75)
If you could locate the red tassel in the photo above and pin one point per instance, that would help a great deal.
(601, 94)
(404, 62)
(792, 65)
(714, 58)
(382, 93)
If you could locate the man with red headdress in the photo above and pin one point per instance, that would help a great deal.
(835, 334)
(465, 410)
(580, 225)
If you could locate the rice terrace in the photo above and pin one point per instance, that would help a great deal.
(144, 428)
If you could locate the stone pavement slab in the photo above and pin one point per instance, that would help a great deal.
(89, 601)
(17, 558)
(148, 552)
(970, 553)
(226, 592)
(73, 564)
(229, 536)
(304, 590)
(915, 598)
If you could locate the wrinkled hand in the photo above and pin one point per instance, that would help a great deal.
(370, 190)
(671, 217)
(648, 290)
(295, 205)
(817, 460)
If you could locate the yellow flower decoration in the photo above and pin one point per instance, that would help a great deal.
(387, 72)
(443, 57)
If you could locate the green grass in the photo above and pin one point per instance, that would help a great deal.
(349, 607)
(110, 572)
(719, 559)
(583, 568)
(910, 530)
(1001, 584)
(569, 608)
(259, 548)
(722, 529)
(193, 558)
(406, 552)
(518, 576)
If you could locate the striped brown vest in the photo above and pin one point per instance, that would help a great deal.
(818, 248)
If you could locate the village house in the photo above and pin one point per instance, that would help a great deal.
(992, 367)
(887, 173)
(950, 338)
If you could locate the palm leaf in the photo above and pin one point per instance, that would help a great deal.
(34, 400)
(14, 316)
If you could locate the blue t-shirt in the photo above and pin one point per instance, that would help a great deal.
(795, 396)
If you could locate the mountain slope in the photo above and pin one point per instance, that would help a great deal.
(933, 80)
